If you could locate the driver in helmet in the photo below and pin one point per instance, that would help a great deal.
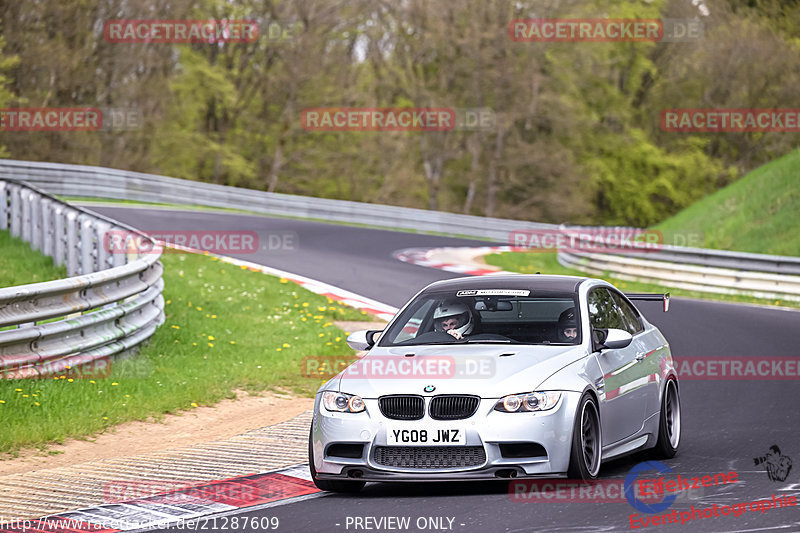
(567, 326)
(453, 319)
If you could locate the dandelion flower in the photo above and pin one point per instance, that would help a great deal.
(210, 344)
(194, 404)
(211, 337)
(114, 384)
(173, 326)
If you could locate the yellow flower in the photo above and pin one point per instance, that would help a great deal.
(194, 344)
(36, 403)
(338, 339)
(305, 304)
(24, 395)
(18, 390)
(169, 301)
(70, 380)
(199, 308)
(211, 337)
(127, 395)
(286, 345)
(233, 342)
(2, 401)
(304, 319)
(213, 316)
(211, 344)
(173, 326)
(105, 418)
(62, 377)
(194, 404)
(322, 308)
(91, 381)
(277, 349)
(114, 384)
(284, 280)
(321, 335)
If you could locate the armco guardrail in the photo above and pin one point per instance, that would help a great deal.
(110, 305)
(698, 269)
(95, 182)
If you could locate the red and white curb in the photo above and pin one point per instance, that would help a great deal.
(177, 508)
(362, 303)
(461, 260)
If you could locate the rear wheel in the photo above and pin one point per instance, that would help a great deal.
(669, 424)
(330, 485)
(585, 455)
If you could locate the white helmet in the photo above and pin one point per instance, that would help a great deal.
(453, 310)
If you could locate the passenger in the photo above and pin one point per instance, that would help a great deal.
(567, 326)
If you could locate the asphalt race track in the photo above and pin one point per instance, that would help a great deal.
(726, 424)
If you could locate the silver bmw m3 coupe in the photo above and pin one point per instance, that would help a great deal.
(498, 377)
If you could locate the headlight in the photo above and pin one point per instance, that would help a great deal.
(339, 402)
(527, 402)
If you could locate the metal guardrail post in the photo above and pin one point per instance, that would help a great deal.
(73, 261)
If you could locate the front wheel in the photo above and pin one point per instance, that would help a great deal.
(585, 454)
(330, 485)
(669, 423)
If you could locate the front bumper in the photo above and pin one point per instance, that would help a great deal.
(486, 429)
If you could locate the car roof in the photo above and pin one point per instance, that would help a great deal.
(537, 282)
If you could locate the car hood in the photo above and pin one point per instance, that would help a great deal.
(490, 371)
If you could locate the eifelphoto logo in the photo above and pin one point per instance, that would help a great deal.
(730, 120)
(605, 30)
(397, 119)
(776, 464)
(180, 31)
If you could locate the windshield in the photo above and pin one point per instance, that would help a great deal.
(503, 317)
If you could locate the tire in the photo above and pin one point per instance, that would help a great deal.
(587, 445)
(669, 423)
(330, 485)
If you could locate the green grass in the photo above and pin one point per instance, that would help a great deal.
(20, 265)
(547, 263)
(758, 213)
(226, 329)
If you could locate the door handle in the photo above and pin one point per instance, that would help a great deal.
(640, 356)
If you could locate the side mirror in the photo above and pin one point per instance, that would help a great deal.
(617, 338)
(363, 339)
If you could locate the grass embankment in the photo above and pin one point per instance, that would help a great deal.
(759, 213)
(226, 329)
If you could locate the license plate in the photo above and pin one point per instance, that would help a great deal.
(425, 436)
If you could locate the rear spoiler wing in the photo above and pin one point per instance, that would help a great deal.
(652, 297)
